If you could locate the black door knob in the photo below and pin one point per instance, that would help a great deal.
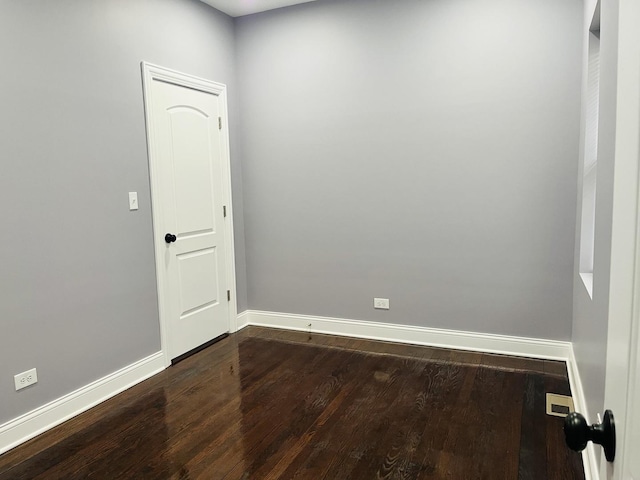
(577, 433)
(170, 238)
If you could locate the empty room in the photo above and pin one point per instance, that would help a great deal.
(320, 239)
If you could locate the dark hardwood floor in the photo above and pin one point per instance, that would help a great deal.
(269, 404)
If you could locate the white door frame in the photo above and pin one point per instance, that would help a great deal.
(150, 73)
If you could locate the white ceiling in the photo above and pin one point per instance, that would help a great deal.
(237, 8)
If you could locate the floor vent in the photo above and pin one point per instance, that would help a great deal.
(559, 405)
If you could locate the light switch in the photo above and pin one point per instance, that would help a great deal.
(133, 200)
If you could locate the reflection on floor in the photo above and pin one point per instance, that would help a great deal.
(274, 404)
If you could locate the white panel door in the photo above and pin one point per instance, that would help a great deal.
(189, 179)
(622, 384)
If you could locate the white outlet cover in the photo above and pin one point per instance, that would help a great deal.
(133, 200)
(24, 379)
(381, 303)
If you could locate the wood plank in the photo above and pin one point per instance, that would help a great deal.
(354, 437)
(268, 403)
(533, 454)
(559, 369)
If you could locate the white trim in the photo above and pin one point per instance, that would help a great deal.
(37, 421)
(242, 320)
(435, 337)
(157, 72)
(229, 235)
(149, 73)
(587, 281)
(591, 470)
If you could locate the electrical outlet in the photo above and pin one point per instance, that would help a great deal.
(381, 303)
(25, 379)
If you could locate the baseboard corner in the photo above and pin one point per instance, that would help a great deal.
(243, 320)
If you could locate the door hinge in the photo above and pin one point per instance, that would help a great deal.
(228, 295)
(224, 210)
(219, 123)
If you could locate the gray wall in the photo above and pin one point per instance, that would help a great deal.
(590, 322)
(78, 284)
(426, 153)
(423, 151)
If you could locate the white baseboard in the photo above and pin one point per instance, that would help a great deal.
(589, 461)
(37, 421)
(242, 320)
(434, 337)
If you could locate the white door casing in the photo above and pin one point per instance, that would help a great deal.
(622, 385)
(189, 167)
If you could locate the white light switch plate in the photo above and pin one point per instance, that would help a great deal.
(133, 200)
